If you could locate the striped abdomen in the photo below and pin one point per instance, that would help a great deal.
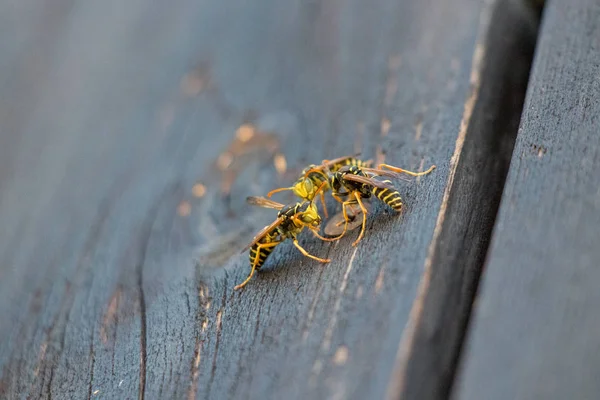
(390, 197)
(317, 178)
(259, 254)
(351, 161)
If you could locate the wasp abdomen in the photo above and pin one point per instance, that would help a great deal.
(260, 253)
(390, 197)
(349, 162)
(357, 163)
(317, 177)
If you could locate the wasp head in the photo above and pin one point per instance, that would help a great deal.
(309, 215)
(304, 188)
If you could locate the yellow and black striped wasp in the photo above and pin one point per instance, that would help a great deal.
(351, 184)
(306, 187)
(291, 220)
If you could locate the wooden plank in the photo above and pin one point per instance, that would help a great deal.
(536, 332)
(457, 257)
(117, 276)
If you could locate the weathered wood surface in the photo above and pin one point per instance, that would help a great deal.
(116, 276)
(468, 221)
(536, 329)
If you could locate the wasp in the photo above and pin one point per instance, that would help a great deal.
(291, 220)
(350, 185)
(313, 176)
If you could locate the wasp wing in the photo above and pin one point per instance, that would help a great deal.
(389, 174)
(369, 181)
(264, 202)
(262, 233)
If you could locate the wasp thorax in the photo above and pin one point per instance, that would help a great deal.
(335, 182)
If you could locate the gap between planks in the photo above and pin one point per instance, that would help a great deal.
(479, 74)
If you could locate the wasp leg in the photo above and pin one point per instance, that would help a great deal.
(337, 198)
(364, 223)
(316, 233)
(241, 285)
(346, 220)
(324, 205)
(350, 218)
(307, 254)
(272, 192)
(255, 263)
(400, 170)
(327, 239)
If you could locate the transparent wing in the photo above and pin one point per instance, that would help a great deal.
(262, 234)
(381, 172)
(369, 181)
(264, 202)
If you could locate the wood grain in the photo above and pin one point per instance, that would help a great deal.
(117, 269)
(536, 331)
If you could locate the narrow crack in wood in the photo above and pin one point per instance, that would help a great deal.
(146, 234)
(143, 338)
(91, 366)
(219, 321)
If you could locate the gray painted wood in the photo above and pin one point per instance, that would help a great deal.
(459, 253)
(536, 331)
(116, 280)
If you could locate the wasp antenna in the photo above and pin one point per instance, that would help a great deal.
(272, 192)
(314, 169)
(320, 188)
(404, 171)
